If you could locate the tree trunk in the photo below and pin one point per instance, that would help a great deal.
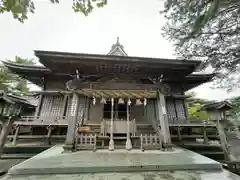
(6, 127)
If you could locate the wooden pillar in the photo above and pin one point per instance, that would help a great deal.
(37, 111)
(16, 135)
(111, 141)
(162, 114)
(49, 128)
(205, 135)
(179, 133)
(70, 139)
(128, 141)
(6, 127)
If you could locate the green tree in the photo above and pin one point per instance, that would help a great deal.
(11, 82)
(194, 105)
(21, 8)
(208, 31)
(234, 113)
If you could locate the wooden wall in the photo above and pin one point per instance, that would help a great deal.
(52, 105)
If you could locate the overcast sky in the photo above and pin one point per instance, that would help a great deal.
(57, 28)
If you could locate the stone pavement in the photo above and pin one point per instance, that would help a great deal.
(8, 163)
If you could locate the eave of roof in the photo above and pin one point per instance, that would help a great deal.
(41, 54)
(26, 67)
(35, 73)
(14, 99)
(217, 106)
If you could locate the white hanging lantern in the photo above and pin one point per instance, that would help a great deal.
(138, 102)
(145, 102)
(94, 100)
(129, 102)
(120, 101)
(103, 101)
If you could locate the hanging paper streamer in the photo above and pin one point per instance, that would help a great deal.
(138, 102)
(94, 100)
(129, 102)
(145, 102)
(103, 101)
(112, 100)
(120, 101)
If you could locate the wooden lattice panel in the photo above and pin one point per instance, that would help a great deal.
(46, 105)
(171, 112)
(69, 106)
(57, 105)
(180, 109)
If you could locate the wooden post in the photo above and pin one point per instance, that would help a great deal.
(205, 135)
(69, 143)
(111, 141)
(38, 106)
(49, 128)
(179, 133)
(15, 135)
(162, 114)
(128, 141)
(6, 127)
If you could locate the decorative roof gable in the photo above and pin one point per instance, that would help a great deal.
(117, 49)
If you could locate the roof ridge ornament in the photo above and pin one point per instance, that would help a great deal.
(117, 49)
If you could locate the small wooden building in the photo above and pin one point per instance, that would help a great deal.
(112, 96)
(217, 110)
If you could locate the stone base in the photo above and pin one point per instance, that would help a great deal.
(68, 148)
(53, 161)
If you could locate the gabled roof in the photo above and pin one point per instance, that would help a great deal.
(15, 99)
(224, 105)
(117, 49)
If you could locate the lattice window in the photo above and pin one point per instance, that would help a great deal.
(57, 105)
(74, 105)
(171, 109)
(51, 105)
(69, 106)
(46, 105)
(180, 109)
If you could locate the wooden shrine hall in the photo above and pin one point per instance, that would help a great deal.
(115, 99)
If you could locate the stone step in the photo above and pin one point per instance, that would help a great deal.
(17, 156)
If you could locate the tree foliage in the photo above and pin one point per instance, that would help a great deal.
(208, 31)
(12, 82)
(21, 8)
(194, 105)
(234, 113)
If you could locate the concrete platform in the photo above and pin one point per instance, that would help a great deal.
(166, 175)
(54, 161)
(180, 164)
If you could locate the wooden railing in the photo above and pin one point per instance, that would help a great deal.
(150, 141)
(86, 141)
(45, 120)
